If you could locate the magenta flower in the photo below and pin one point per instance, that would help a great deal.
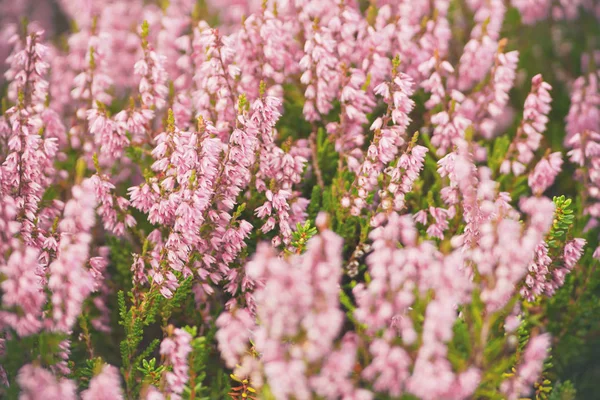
(104, 386)
(530, 132)
(529, 369)
(176, 349)
(35, 380)
(545, 172)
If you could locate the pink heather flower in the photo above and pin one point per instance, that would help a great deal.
(389, 135)
(63, 353)
(436, 230)
(489, 12)
(389, 368)
(396, 273)
(584, 113)
(88, 61)
(585, 146)
(532, 10)
(356, 103)
(54, 127)
(28, 66)
(22, 290)
(486, 108)
(571, 255)
(452, 286)
(475, 188)
(320, 74)
(234, 173)
(111, 207)
(529, 134)
(416, 44)
(275, 35)
(447, 130)
(433, 377)
(93, 82)
(233, 176)
(27, 167)
(512, 323)
(138, 268)
(135, 121)
(117, 19)
(503, 78)
(181, 194)
(191, 184)
(433, 71)
(176, 349)
(506, 251)
(573, 252)
(153, 79)
(35, 380)
(113, 21)
(402, 177)
(234, 329)
(585, 153)
(545, 172)
(214, 77)
(168, 29)
(70, 281)
(494, 239)
(540, 211)
(104, 386)
(109, 135)
(529, 369)
(152, 393)
(536, 280)
(482, 54)
(282, 169)
(334, 381)
(348, 28)
(298, 298)
(450, 124)
(596, 253)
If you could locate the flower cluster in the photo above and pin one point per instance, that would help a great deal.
(333, 199)
(176, 349)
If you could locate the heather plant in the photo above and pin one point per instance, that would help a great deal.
(299, 199)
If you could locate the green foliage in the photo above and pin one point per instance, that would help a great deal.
(144, 33)
(151, 373)
(42, 349)
(121, 260)
(563, 221)
(208, 380)
(499, 149)
(460, 347)
(315, 202)
(301, 236)
(292, 122)
(84, 373)
(181, 295)
(573, 314)
(563, 391)
(327, 157)
(133, 320)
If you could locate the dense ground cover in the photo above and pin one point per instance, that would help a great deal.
(298, 199)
